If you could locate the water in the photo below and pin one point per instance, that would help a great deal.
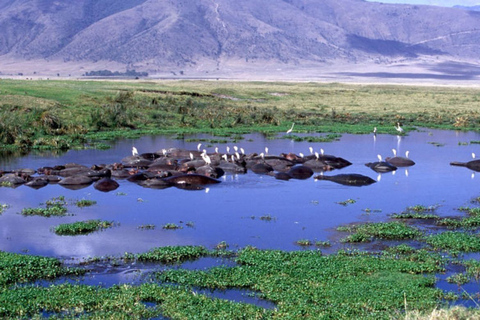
(231, 211)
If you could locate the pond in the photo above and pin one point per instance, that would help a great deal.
(244, 209)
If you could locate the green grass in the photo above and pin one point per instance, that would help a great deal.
(82, 227)
(62, 114)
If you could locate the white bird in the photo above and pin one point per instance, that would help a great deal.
(290, 130)
(321, 151)
(237, 155)
(242, 150)
(191, 156)
(134, 151)
(266, 150)
(399, 129)
(198, 146)
(228, 149)
(473, 155)
(311, 150)
(235, 148)
(407, 153)
(379, 158)
(394, 152)
(317, 155)
(301, 155)
(216, 149)
(374, 131)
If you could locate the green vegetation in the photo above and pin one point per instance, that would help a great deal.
(67, 114)
(171, 226)
(454, 241)
(53, 207)
(385, 230)
(18, 269)
(81, 227)
(170, 255)
(347, 202)
(85, 203)
(3, 207)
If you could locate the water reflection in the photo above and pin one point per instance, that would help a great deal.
(231, 211)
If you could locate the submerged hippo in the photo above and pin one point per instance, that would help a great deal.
(190, 179)
(472, 165)
(352, 179)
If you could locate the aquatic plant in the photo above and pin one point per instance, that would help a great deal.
(384, 230)
(55, 210)
(82, 227)
(147, 227)
(459, 278)
(306, 284)
(173, 254)
(322, 243)
(304, 242)
(171, 226)
(3, 207)
(454, 241)
(17, 269)
(347, 202)
(85, 203)
(267, 217)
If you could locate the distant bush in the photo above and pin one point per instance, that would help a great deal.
(108, 73)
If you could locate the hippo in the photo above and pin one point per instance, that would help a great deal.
(106, 184)
(472, 165)
(352, 179)
(76, 182)
(190, 179)
(399, 161)
(282, 176)
(37, 182)
(381, 166)
(300, 172)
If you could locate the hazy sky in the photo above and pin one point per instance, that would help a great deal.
(445, 3)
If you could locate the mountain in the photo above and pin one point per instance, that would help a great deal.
(473, 8)
(159, 35)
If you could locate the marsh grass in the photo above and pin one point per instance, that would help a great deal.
(82, 227)
(60, 114)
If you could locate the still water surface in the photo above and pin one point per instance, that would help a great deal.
(231, 211)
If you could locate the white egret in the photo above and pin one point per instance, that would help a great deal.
(134, 151)
(399, 129)
(290, 130)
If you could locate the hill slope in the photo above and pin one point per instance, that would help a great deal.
(151, 35)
